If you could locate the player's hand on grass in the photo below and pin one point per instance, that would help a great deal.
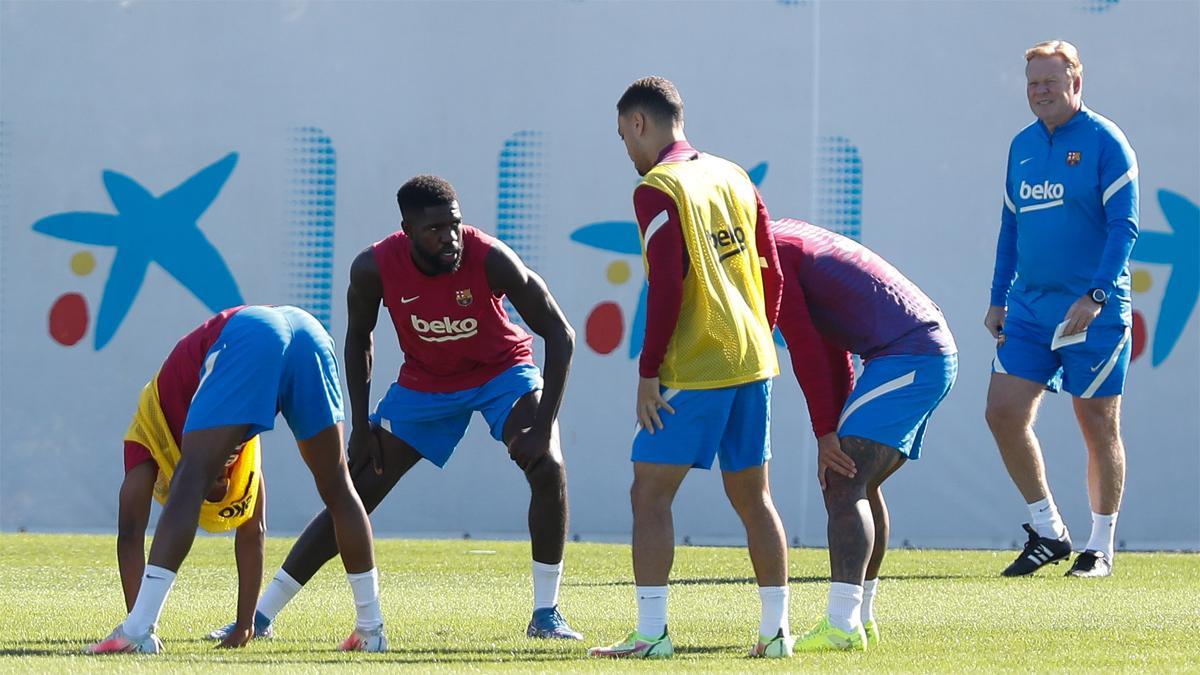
(365, 448)
(649, 401)
(830, 456)
(1081, 315)
(994, 321)
(528, 446)
(238, 637)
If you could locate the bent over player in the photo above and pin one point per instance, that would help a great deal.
(443, 284)
(840, 298)
(249, 364)
(237, 499)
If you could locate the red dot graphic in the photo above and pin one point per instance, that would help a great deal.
(604, 327)
(68, 318)
(1139, 334)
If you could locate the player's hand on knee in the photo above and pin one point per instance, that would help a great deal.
(365, 449)
(831, 456)
(238, 637)
(649, 402)
(527, 447)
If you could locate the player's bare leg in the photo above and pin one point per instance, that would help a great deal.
(326, 460)
(1100, 422)
(749, 491)
(1012, 405)
(317, 545)
(547, 516)
(882, 520)
(1011, 409)
(851, 533)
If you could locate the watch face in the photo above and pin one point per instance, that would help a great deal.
(1099, 295)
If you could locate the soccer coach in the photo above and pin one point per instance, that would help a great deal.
(1069, 222)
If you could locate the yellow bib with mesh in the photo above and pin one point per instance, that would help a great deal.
(244, 470)
(722, 338)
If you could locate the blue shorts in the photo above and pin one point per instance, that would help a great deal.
(434, 423)
(1094, 367)
(732, 422)
(894, 398)
(268, 360)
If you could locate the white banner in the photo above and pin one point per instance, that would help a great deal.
(161, 159)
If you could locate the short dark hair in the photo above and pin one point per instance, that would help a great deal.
(654, 95)
(424, 190)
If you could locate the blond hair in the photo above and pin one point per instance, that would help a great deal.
(1060, 48)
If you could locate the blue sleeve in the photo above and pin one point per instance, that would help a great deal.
(1006, 248)
(1119, 179)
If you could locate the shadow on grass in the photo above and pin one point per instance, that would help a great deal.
(733, 581)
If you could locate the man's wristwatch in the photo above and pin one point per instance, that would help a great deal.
(1098, 296)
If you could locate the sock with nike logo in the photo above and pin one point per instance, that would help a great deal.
(156, 584)
(1046, 520)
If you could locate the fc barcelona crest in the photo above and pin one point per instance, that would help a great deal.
(463, 297)
(1073, 158)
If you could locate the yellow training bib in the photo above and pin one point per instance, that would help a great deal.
(722, 338)
(150, 429)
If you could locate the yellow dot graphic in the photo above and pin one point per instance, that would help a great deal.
(83, 263)
(1142, 281)
(618, 272)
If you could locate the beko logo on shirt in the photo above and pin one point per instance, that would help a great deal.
(444, 329)
(1046, 190)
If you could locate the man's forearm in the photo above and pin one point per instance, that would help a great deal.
(560, 347)
(360, 356)
(249, 546)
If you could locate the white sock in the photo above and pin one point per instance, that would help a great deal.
(156, 584)
(652, 610)
(279, 593)
(1046, 521)
(845, 604)
(1104, 531)
(546, 579)
(365, 586)
(870, 587)
(774, 611)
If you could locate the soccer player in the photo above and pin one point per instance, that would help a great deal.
(839, 299)
(707, 246)
(1069, 223)
(245, 365)
(237, 499)
(444, 283)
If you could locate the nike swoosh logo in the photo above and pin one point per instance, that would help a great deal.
(1024, 160)
(405, 301)
(1097, 366)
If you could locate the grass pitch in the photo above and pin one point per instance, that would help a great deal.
(463, 605)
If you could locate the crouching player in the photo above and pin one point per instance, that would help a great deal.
(237, 499)
(245, 365)
(840, 298)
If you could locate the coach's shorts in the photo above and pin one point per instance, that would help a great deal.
(1093, 368)
(433, 423)
(733, 423)
(268, 360)
(894, 398)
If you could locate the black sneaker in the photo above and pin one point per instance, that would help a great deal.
(1039, 552)
(1091, 564)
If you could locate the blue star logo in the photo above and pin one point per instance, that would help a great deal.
(1181, 250)
(149, 229)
